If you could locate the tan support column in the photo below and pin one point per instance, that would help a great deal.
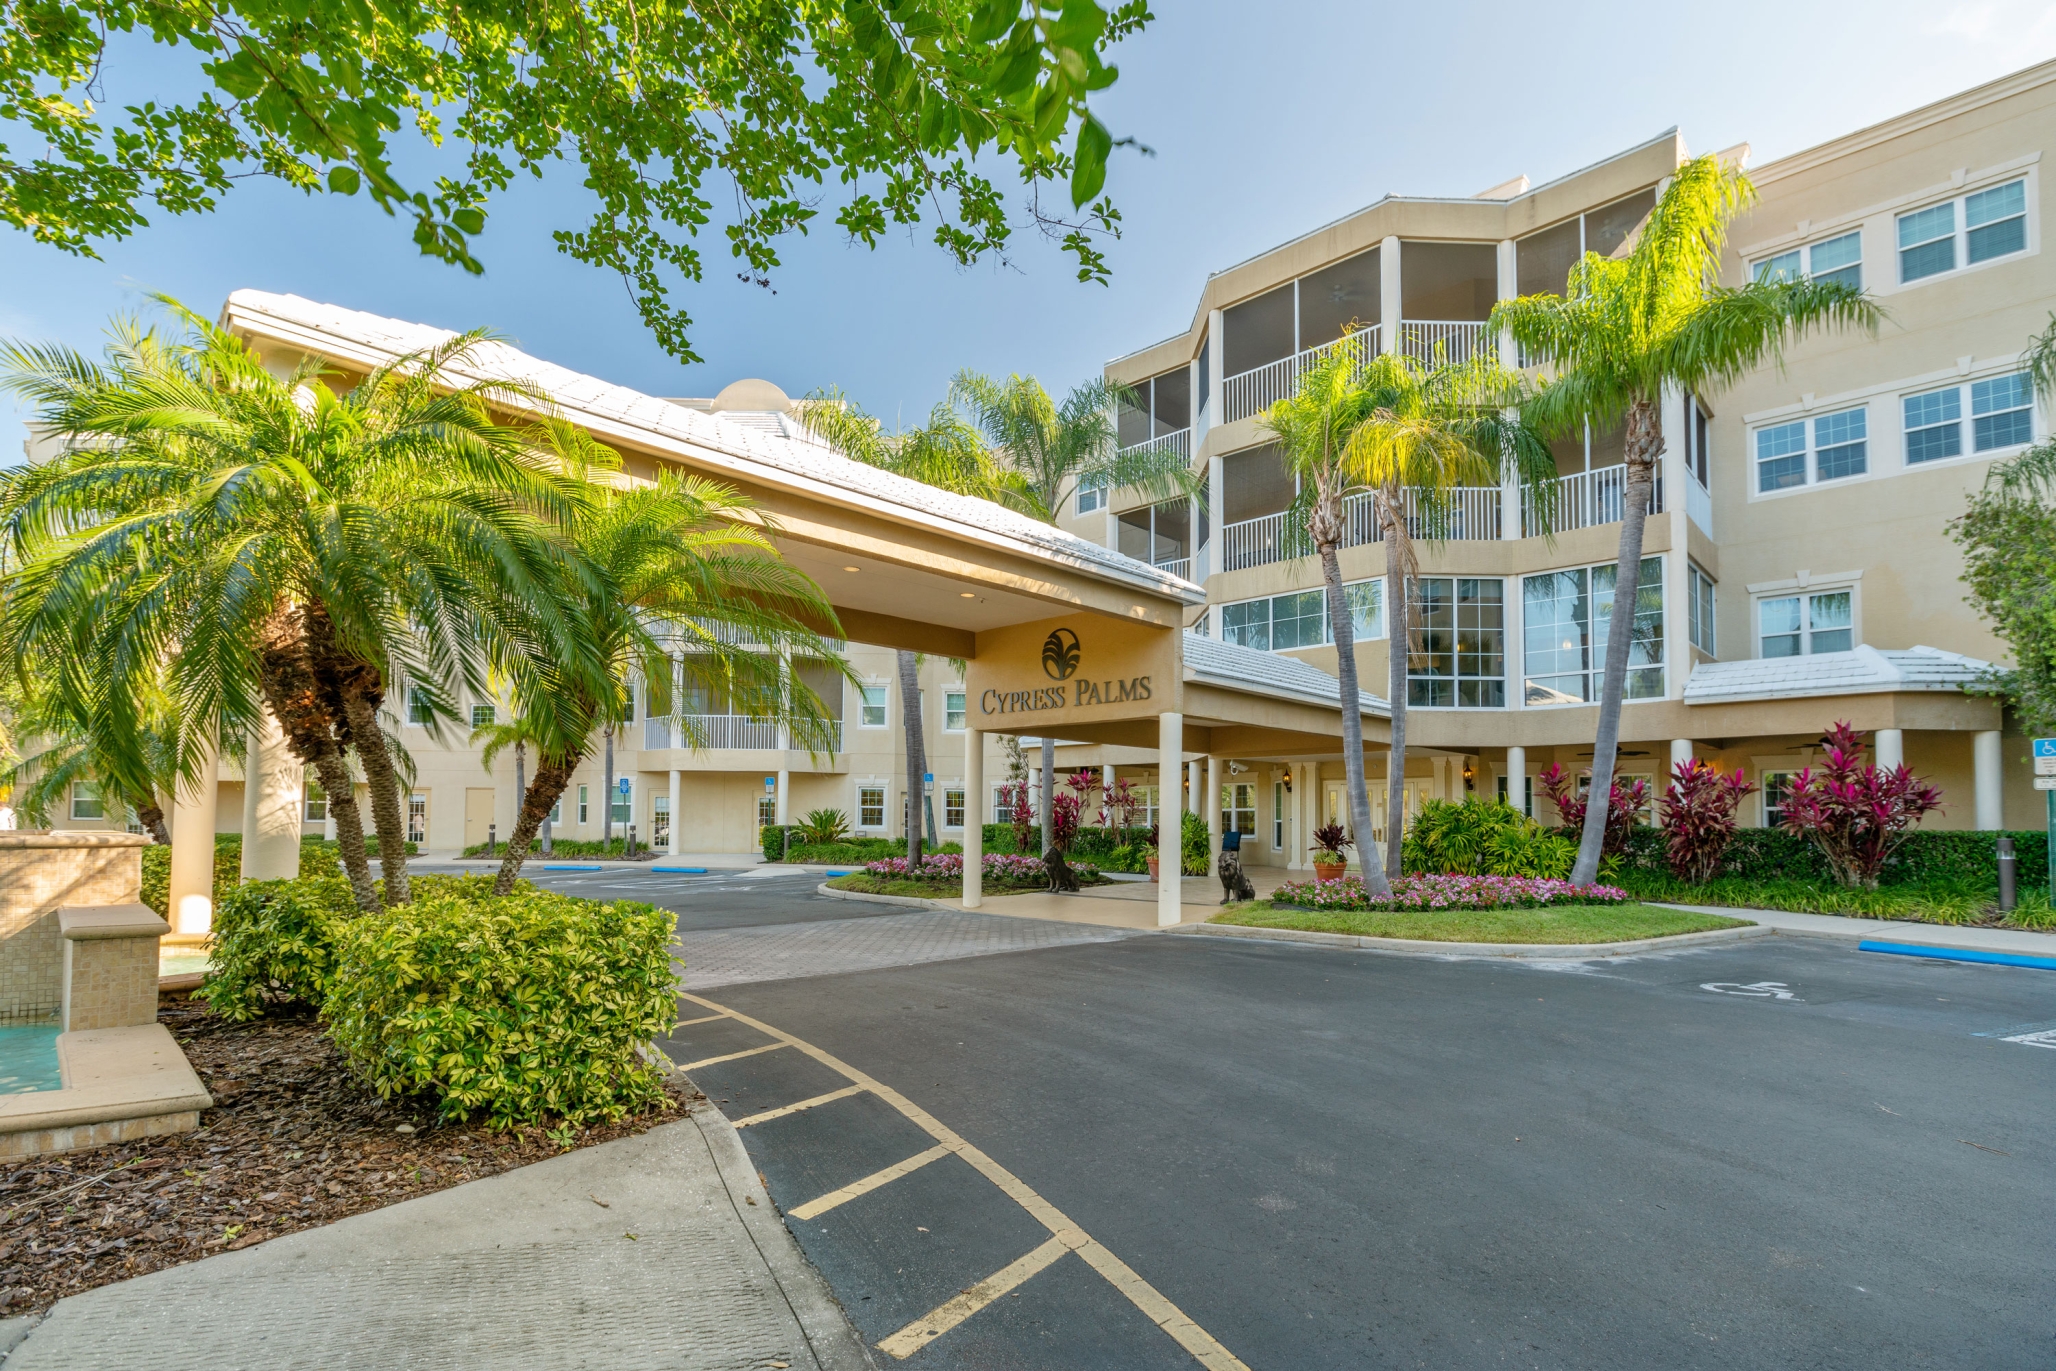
(1170, 819)
(1986, 775)
(1890, 746)
(784, 810)
(1517, 778)
(1212, 812)
(674, 847)
(271, 806)
(974, 818)
(1681, 753)
(191, 894)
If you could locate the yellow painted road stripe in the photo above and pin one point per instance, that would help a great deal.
(816, 1208)
(770, 1114)
(1204, 1348)
(709, 1061)
(688, 1023)
(923, 1331)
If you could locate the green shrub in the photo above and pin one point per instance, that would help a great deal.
(1928, 857)
(1483, 838)
(1193, 847)
(533, 1006)
(274, 943)
(562, 847)
(317, 858)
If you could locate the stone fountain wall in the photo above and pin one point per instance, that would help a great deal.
(41, 873)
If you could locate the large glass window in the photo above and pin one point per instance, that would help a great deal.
(1992, 223)
(1802, 452)
(1565, 619)
(1458, 660)
(1833, 259)
(1800, 625)
(1278, 622)
(2001, 416)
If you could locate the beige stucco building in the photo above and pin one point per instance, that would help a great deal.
(1799, 565)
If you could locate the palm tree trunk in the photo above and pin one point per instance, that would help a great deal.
(382, 780)
(520, 778)
(150, 815)
(1399, 638)
(341, 790)
(301, 682)
(1352, 710)
(551, 777)
(917, 752)
(1049, 790)
(1644, 446)
(607, 792)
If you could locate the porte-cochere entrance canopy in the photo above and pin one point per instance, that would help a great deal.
(1061, 636)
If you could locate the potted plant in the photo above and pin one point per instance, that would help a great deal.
(1331, 851)
(1149, 852)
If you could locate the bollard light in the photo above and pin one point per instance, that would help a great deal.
(2009, 872)
(492, 838)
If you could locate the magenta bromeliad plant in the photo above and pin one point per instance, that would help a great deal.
(1698, 814)
(1020, 812)
(948, 866)
(1624, 803)
(1857, 815)
(1063, 820)
(1445, 892)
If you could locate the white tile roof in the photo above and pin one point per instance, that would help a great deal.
(1865, 670)
(1214, 662)
(745, 452)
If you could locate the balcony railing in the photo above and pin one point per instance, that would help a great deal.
(723, 731)
(1179, 443)
(1583, 499)
(1467, 514)
(1180, 567)
(1252, 392)
(1433, 341)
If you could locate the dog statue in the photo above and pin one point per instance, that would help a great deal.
(1062, 880)
(1234, 885)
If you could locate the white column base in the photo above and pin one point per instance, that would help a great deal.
(1170, 821)
(1888, 746)
(191, 884)
(1987, 776)
(974, 818)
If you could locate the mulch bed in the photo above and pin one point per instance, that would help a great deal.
(294, 1141)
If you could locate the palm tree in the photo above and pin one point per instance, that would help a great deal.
(259, 541)
(63, 715)
(515, 733)
(1055, 449)
(670, 582)
(1408, 435)
(949, 454)
(1631, 329)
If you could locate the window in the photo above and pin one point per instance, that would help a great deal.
(1800, 625)
(622, 806)
(557, 811)
(628, 702)
(2001, 416)
(1993, 224)
(1777, 788)
(1527, 805)
(1157, 534)
(870, 806)
(1697, 460)
(584, 805)
(1279, 622)
(873, 706)
(418, 710)
(1834, 259)
(953, 807)
(660, 819)
(1699, 587)
(953, 711)
(1566, 618)
(1092, 495)
(1277, 816)
(316, 801)
(417, 819)
(1840, 448)
(85, 801)
(1238, 807)
(767, 811)
(1461, 661)
(483, 716)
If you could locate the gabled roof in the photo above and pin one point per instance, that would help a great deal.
(1213, 662)
(1864, 670)
(617, 413)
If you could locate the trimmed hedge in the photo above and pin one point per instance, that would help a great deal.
(274, 943)
(1097, 845)
(526, 1007)
(1927, 857)
(318, 857)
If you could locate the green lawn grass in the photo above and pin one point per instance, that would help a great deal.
(1579, 923)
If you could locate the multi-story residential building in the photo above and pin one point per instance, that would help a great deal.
(1798, 563)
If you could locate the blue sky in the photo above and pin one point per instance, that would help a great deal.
(1266, 120)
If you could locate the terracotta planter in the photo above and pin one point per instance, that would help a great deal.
(1329, 871)
(1152, 867)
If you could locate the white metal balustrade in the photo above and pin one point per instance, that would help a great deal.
(1180, 567)
(1179, 443)
(1466, 514)
(1442, 341)
(1254, 391)
(1582, 499)
(732, 731)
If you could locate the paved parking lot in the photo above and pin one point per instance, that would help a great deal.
(1773, 1154)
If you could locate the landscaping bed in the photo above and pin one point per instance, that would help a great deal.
(941, 876)
(295, 1140)
(1469, 909)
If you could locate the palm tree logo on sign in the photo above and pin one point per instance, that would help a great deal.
(1060, 654)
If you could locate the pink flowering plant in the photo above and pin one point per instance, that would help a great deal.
(948, 866)
(1856, 815)
(1445, 892)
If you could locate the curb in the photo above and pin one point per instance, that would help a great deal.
(1862, 930)
(830, 1336)
(1419, 947)
(866, 897)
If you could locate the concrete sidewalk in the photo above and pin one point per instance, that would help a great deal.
(2018, 940)
(661, 1250)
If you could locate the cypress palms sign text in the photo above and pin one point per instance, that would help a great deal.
(1061, 657)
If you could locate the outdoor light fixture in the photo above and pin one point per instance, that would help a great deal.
(849, 568)
(966, 595)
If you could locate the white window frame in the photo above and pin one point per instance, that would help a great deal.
(1232, 792)
(660, 816)
(87, 803)
(484, 716)
(312, 797)
(1092, 496)
(767, 810)
(1768, 778)
(622, 807)
(1794, 263)
(953, 815)
(1960, 229)
(959, 711)
(417, 704)
(1277, 816)
(1811, 424)
(884, 802)
(1698, 442)
(1376, 632)
(584, 805)
(864, 705)
(417, 803)
(1508, 617)
(1965, 401)
(1805, 595)
(1521, 675)
(1701, 617)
